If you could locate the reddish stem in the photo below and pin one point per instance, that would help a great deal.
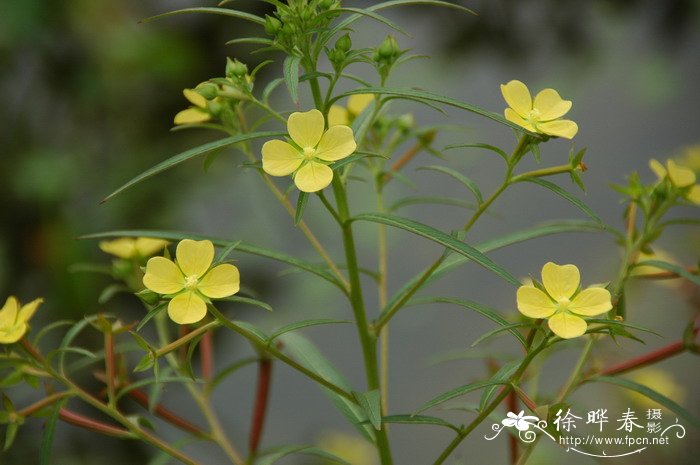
(206, 355)
(84, 422)
(260, 408)
(512, 405)
(109, 364)
(142, 398)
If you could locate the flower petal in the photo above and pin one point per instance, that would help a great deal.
(163, 276)
(187, 308)
(337, 115)
(694, 194)
(658, 169)
(194, 257)
(313, 177)
(358, 102)
(550, 105)
(147, 246)
(680, 176)
(534, 303)
(560, 281)
(567, 326)
(517, 96)
(221, 281)
(280, 158)
(513, 117)
(192, 115)
(12, 334)
(560, 128)
(306, 128)
(195, 98)
(592, 301)
(337, 143)
(124, 247)
(8, 313)
(27, 311)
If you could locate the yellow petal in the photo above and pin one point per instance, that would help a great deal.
(658, 169)
(566, 325)
(306, 128)
(560, 281)
(694, 194)
(337, 143)
(8, 313)
(513, 117)
(279, 158)
(534, 303)
(337, 115)
(194, 257)
(195, 98)
(358, 102)
(518, 97)
(313, 177)
(221, 281)
(187, 308)
(560, 128)
(550, 105)
(191, 116)
(163, 276)
(123, 247)
(680, 176)
(591, 302)
(147, 246)
(27, 311)
(13, 334)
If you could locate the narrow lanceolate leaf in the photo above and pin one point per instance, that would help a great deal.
(492, 148)
(301, 204)
(353, 158)
(431, 97)
(430, 200)
(49, 429)
(247, 301)
(651, 394)
(418, 420)
(466, 182)
(441, 238)
(679, 270)
(217, 11)
(483, 310)
(366, 12)
(218, 242)
(371, 403)
(291, 76)
(271, 456)
(460, 391)
(575, 201)
(192, 153)
(304, 324)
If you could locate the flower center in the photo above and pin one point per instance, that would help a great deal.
(534, 115)
(191, 282)
(309, 152)
(563, 304)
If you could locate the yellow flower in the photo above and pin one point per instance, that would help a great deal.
(311, 152)
(542, 115)
(563, 304)
(681, 177)
(128, 247)
(197, 113)
(191, 280)
(690, 157)
(13, 319)
(344, 116)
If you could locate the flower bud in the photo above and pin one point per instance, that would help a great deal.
(329, 4)
(207, 90)
(272, 25)
(344, 43)
(235, 68)
(389, 49)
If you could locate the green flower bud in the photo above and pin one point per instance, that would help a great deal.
(344, 43)
(329, 4)
(405, 122)
(272, 25)
(389, 49)
(235, 68)
(207, 90)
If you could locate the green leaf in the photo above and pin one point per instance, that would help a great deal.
(291, 76)
(308, 355)
(242, 247)
(304, 324)
(301, 204)
(493, 332)
(503, 374)
(223, 255)
(468, 183)
(248, 301)
(271, 86)
(228, 371)
(10, 435)
(651, 394)
(353, 158)
(372, 404)
(441, 238)
(110, 291)
(251, 40)
(418, 420)
(49, 429)
(430, 97)
(492, 148)
(151, 313)
(483, 310)
(420, 200)
(189, 154)
(273, 455)
(216, 11)
(460, 391)
(679, 270)
(70, 336)
(370, 14)
(567, 196)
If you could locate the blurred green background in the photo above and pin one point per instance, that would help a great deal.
(89, 94)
